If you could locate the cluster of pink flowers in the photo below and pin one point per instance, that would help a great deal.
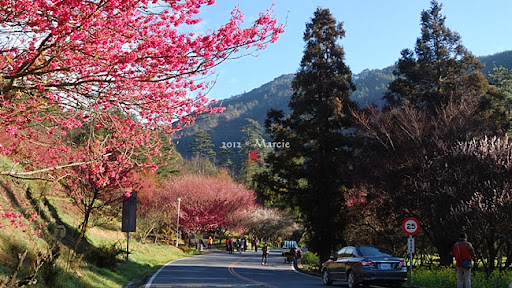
(10, 218)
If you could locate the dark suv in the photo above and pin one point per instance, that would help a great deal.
(357, 265)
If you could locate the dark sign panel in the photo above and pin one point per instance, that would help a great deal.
(129, 213)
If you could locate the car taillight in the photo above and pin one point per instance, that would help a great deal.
(401, 264)
(367, 263)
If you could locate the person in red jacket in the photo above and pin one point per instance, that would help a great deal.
(464, 253)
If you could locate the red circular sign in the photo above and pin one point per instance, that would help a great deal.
(411, 226)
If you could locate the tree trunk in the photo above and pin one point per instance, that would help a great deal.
(83, 228)
(87, 214)
(444, 248)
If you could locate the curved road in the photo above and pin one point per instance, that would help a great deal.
(220, 269)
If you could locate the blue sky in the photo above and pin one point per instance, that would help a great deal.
(376, 32)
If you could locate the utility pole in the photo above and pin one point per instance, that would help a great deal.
(178, 223)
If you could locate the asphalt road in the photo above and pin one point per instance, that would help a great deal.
(220, 269)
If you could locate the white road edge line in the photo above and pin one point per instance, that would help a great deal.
(150, 281)
(305, 274)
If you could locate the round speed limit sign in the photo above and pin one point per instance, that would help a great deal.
(411, 226)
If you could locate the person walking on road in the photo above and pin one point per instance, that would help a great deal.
(264, 257)
(464, 253)
(238, 245)
(230, 246)
(210, 242)
(243, 244)
(256, 243)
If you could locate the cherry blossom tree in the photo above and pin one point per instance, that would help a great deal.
(207, 202)
(269, 224)
(487, 212)
(408, 169)
(107, 76)
(147, 214)
(156, 212)
(98, 192)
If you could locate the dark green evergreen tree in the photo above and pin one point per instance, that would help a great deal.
(225, 159)
(313, 172)
(170, 159)
(202, 145)
(502, 79)
(440, 72)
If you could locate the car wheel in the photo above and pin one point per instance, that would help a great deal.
(352, 280)
(325, 278)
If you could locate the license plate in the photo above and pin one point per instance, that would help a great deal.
(385, 266)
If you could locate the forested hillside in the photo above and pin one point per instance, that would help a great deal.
(225, 127)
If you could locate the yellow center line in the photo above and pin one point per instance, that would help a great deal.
(231, 269)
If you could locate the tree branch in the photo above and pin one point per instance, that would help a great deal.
(22, 174)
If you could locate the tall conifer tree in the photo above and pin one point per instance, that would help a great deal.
(312, 173)
(442, 72)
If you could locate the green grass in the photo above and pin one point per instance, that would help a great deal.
(437, 277)
(143, 260)
(447, 278)
(146, 260)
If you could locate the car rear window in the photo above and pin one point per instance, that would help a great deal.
(374, 251)
(290, 244)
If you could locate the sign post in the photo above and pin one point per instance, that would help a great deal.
(411, 226)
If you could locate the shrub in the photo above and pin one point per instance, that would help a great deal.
(439, 278)
(496, 280)
(310, 258)
(447, 277)
(185, 248)
(50, 273)
(105, 256)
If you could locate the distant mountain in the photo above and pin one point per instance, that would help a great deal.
(225, 127)
(499, 59)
